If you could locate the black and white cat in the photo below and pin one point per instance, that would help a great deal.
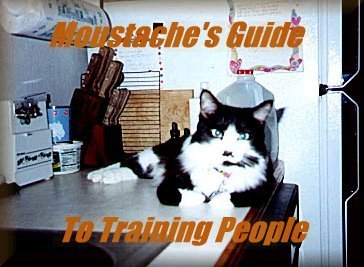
(224, 163)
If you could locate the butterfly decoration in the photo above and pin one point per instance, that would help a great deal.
(235, 65)
(295, 20)
(235, 62)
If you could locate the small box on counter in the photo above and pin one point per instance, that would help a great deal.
(59, 123)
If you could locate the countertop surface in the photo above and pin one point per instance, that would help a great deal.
(46, 205)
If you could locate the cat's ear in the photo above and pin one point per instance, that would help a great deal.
(280, 113)
(208, 103)
(262, 111)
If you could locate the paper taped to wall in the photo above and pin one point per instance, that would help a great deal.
(272, 58)
(38, 18)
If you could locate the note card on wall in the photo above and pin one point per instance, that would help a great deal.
(259, 13)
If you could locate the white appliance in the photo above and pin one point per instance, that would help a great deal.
(25, 141)
(339, 132)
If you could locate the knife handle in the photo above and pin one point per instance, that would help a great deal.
(91, 72)
(117, 103)
(107, 54)
(111, 79)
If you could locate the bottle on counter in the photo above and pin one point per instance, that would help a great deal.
(175, 132)
(245, 92)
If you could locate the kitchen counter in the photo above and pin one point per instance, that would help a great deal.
(46, 205)
(42, 209)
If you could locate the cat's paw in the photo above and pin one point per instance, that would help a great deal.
(190, 198)
(114, 176)
(96, 176)
(222, 201)
(111, 175)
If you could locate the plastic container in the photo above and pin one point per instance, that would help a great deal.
(245, 92)
(66, 157)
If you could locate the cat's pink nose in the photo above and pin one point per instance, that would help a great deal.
(227, 153)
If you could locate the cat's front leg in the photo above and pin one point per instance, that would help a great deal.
(169, 194)
(191, 198)
(111, 175)
(222, 201)
(96, 176)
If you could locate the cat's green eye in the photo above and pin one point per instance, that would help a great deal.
(216, 133)
(244, 136)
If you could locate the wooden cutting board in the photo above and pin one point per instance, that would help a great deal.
(148, 115)
(174, 108)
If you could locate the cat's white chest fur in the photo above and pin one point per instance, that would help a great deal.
(204, 162)
(233, 179)
(206, 181)
(242, 179)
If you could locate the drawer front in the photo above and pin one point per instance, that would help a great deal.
(35, 141)
(33, 158)
(33, 174)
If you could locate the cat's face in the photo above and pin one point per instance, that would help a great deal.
(231, 136)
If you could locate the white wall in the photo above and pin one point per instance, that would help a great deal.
(184, 68)
(30, 66)
(297, 92)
